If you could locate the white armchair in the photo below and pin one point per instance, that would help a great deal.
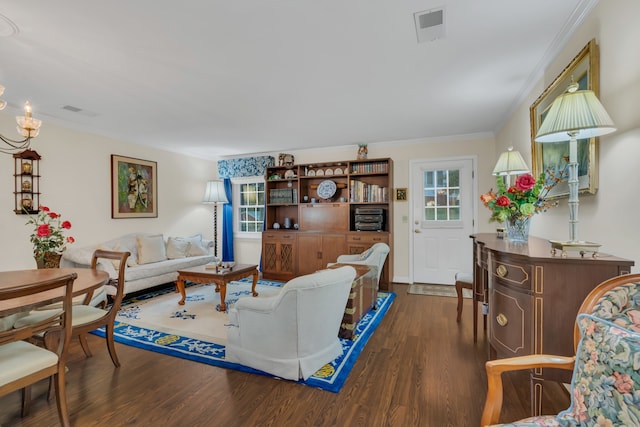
(293, 334)
(375, 256)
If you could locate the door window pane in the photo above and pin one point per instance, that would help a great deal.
(442, 195)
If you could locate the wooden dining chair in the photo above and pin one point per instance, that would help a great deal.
(86, 318)
(23, 363)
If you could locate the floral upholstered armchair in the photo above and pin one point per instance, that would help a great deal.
(605, 387)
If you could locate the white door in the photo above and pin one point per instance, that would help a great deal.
(442, 219)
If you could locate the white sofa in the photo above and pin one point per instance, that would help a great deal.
(294, 333)
(153, 261)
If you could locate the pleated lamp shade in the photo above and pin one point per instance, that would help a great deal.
(578, 112)
(510, 163)
(214, 193)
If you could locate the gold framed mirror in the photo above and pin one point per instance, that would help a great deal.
(552, 158)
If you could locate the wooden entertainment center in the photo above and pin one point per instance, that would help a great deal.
(318, 211)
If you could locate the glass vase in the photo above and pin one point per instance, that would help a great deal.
(518, 229)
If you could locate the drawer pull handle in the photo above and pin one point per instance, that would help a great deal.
(502, 319)
(502, 271)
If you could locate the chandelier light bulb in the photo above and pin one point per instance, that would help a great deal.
(27, 128)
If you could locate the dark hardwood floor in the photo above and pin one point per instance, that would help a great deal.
(420, 368)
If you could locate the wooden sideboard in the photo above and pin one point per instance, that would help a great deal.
(534, 298)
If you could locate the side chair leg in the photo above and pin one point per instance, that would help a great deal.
(459, 292)
(85, 345)
(26, 400)
(111, 346)
(52, 388)
(61, 398)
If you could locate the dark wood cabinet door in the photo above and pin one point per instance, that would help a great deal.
(279, 255)
(316, 250)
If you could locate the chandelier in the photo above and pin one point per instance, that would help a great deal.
(28, 127)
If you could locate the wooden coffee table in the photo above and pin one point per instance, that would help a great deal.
(220, 277)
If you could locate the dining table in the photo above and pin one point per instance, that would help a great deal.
(87, 280)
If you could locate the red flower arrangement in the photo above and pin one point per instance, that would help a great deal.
(48, 234)
(521, 200)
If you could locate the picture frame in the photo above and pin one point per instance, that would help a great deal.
(552, 158)
(401, 194)
(134, 188)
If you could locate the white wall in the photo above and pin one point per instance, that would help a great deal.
(607, 217)
(76, 176)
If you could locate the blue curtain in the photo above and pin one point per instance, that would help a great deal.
(234, 168)
(227, 223)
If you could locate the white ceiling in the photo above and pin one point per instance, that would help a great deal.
(225, 78)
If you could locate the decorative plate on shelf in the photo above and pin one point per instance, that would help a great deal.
(319, 172)
(326, 189)
(338, 171)
(290, 174)
(328, 172)
(311, 172)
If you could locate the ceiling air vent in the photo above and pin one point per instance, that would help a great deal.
(72, 108)
(78, 110)
(429, 25)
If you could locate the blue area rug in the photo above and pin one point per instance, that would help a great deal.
(330, 378)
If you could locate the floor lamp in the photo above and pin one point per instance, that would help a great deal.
(215, 195)
(574, 114)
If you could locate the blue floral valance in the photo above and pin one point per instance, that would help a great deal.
(247, 166)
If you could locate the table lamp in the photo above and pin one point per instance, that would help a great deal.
(574, 114)
(510, 163)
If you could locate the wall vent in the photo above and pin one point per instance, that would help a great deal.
(429, 25)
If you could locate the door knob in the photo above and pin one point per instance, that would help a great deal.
(417, 231)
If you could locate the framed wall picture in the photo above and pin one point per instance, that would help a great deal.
(552, 158)
(401, 194)
(134, 188)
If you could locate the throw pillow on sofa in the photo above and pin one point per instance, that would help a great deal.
(183, 247)
(196, 249)
(177, 247)
(151, 249)
(131, 261)
(196, 246)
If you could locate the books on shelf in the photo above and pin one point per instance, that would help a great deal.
(362, 192)
(283, 195)
(370, 167)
